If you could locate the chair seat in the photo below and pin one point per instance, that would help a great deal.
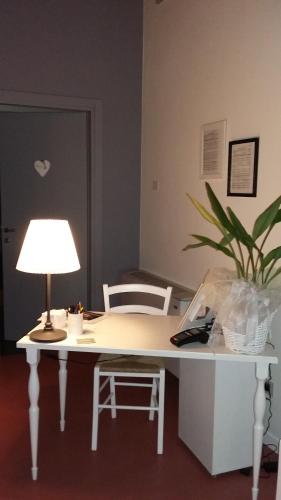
(135, 364)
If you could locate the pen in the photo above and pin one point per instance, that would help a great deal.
(79, 307)
(76, 309)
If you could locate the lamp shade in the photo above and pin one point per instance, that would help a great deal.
(48, 248)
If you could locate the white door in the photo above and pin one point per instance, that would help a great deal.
(61, 139)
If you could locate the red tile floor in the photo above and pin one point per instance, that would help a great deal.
(125, 467)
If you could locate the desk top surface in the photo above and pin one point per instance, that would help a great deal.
(142, 335)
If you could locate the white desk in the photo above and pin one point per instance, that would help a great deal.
(141, 335)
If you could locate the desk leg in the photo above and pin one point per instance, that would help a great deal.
(33, 358)
(62, 355)
(259, 409)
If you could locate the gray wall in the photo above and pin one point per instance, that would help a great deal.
(92, 49)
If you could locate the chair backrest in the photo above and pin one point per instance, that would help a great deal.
(165, 293)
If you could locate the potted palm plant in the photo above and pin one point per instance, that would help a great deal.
(246, 310)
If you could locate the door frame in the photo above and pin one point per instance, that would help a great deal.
(93, 109)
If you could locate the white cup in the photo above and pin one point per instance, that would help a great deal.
(75, 323)
(58, 317)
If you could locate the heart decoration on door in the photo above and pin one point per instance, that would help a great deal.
(42, 167)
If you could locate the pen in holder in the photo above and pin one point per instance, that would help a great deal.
(75, 320)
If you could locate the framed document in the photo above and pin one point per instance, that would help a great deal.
(213, 145)
(243, 167)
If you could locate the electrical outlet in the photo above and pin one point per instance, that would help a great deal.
(155, 185)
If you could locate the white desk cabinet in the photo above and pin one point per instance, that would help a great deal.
(214, 412)
(214, 397)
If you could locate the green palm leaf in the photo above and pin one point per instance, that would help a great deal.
(213, 244)
(217, 209)
(273, 276)
(226, 239)
(277, 218)
(266, 218)
(203, 211)
(240, 232)
(194, 245)
(274, 254)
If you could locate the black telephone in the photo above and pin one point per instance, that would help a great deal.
(191, 335)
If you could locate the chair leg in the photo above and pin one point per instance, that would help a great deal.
(161, 412)
(113, 396)
(95, 421)
(152, 398)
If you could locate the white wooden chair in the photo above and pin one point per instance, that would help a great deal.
(111, 366)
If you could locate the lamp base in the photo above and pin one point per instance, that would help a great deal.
(54, 335)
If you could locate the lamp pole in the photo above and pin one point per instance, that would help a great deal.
(48, 325)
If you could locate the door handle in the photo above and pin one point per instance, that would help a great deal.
(9, 229)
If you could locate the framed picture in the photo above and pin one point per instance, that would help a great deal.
(213, 145)
(243, 167)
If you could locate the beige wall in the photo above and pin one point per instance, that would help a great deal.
(206, 60)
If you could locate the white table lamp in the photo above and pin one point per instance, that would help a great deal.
(48, 248)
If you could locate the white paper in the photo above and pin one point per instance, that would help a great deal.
(213, 149)
(242, 167)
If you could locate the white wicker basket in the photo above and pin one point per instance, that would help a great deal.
(237, 342)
